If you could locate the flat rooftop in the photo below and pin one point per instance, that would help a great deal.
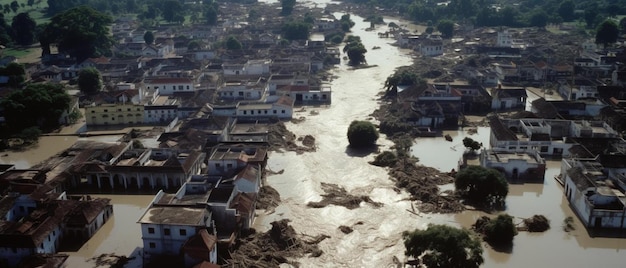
(505, 157)
(174, 216)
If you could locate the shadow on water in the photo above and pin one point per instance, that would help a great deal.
(362, 152)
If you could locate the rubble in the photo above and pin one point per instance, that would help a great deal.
(336, 195)
(280, 138)
(110, 260)
(268, 199)
(345, 229)
(279, 245)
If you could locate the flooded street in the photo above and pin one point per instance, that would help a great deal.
(377, 231)
(120, 235)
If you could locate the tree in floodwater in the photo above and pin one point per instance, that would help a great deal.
(443, 246)
(355, 50)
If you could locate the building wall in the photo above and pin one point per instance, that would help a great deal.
(167, 89)
(159, 242)
(11, 256)
(161, 115)
(113, 114)
(577, 200)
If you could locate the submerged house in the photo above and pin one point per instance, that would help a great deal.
(596, 196)
(517, 167)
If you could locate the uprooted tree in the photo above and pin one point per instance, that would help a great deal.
(498, 232)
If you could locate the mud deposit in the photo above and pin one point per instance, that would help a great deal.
(336, 195)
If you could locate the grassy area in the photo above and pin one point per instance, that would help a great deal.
(16, 52)
(36, 11)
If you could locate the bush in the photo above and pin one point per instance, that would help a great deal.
(385, 159)
(362, 134)
(498, 232)
(482, 186)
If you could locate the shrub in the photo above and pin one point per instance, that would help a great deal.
(362, 134)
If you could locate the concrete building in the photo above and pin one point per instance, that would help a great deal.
(518, 167)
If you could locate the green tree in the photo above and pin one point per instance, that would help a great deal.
(35, 105)
(607, 33)
(81, 32)
(471, 144)
(89, 80)
(538, 18)
(233, 44)
(194, 45)
(296, 30)
(211, 16)
(355, 50)
(148, 37)
(287, 6)
(30, 3)
(362, 134)
(482, 186)
(446, 27)
(622, 25)
(253, 15)
(498, 232)
(15, 6)
(402, 77)
(15, 72)
(590, 17)
(24, 28)
(172, 10)
(566, 10)
(346, 22)
(443, 246)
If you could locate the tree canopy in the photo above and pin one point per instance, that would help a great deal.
(89, 80)
(402, 77)
(355, 50)
(232, 43)
(446, 27)
(36, 105)
(80, 32)
(346, 22)
(15, 72)
(296, 30)
(362, 134)
(444, 246)
(471, 144)
(287, 6)
(24, 28)
(482, 186)
(607, 33)
(148, 37)
(498, 232)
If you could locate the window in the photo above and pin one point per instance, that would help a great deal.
(283, 111)
(105, 110)
(119, 110)
(245, 112)
(151, 230)
(166, 231)
(93, 112)
(187, 87)
(229, 165)
(274, 111)
(128, 110)
(240, 94)
(22, 209)
(180, 88)
(173, 87)
(183, 232)
(217, 165)
(152, 245)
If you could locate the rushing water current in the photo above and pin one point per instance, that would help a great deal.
(377, 231)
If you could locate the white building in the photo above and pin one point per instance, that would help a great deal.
(169, 85)
(596, 197)
(526, 166)
(172, 219)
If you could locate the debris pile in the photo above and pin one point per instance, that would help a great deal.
(274, 247)
(110, 260)
(268, 199)
(345, 229)
(537, 223)
(423, 184)
(280, 138)
(336, 195)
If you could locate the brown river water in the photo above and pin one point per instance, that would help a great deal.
(377, 237)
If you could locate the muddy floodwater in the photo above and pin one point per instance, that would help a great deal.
(377, 230)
